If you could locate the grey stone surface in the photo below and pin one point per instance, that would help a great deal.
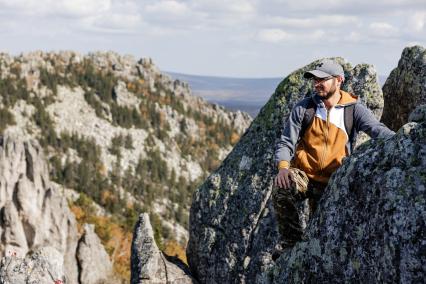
(36, 225)
(405, 88)
(39, 267)
(418, 114)
(33, 212)
(232, 225)
(148, 264)
(370, 226)
(93, 261)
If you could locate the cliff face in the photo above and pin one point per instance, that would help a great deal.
(232, 225)
(370, 225)
(35, 214)
(405, 88)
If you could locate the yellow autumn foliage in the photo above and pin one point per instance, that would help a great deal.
(114, 238)
(234, 138)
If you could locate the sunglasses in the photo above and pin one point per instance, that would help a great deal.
(321, 80)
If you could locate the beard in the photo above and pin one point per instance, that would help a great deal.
(330, 93)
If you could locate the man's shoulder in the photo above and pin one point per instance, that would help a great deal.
(306, 102)
(359, 106)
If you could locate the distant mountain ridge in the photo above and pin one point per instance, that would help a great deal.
(245, 94)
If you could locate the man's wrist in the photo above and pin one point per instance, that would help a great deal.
(283, 165)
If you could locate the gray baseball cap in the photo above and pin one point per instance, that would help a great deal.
(324, 69)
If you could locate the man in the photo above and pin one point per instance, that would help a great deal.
(311, 149)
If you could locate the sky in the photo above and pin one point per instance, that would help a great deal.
(231, 38)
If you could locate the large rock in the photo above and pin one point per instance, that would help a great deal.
(42, 266)
(405, 87)
(33, 213)
(149, 265)
(95, 265)
(34, 216)
(371, 222)
(232, 227)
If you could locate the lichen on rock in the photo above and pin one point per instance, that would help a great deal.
(232, 225)
(405, 87)
(370, 223)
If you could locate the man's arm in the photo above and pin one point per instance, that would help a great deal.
(367, 122)
(285, 147)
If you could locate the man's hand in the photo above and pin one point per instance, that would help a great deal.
(283, 179)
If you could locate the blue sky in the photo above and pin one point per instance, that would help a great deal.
(240, 38)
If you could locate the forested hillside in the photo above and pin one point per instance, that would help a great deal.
(121, 138)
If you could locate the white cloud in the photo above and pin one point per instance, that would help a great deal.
(94, 15)
(324, 21)
(417, 22)
(218, 26)
(74, 8)
(347, 7)
(168, 7)
(80, 8)
(225, 7)
(241, 7)
(114, 22)
(383, 29)
(353, 36)
(273, 35)
(18, 5)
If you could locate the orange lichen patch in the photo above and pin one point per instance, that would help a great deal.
(172, 248)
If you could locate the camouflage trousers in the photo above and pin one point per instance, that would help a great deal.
(294, 206)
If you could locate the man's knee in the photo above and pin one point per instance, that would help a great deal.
(300, 181)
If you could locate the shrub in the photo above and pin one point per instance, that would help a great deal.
(6, 118)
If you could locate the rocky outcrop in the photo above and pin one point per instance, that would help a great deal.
(94, 263)
(33, 213)
(41, 266)
(405, 87)
(38, 230)
(131, 115)
(232, 226)
(371, 222)
(149, 264)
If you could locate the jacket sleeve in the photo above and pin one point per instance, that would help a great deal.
(286, 144)
(364, 120)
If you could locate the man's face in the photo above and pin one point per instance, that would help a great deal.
(326, 87)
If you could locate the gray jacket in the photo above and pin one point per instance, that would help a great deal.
(363, 120)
